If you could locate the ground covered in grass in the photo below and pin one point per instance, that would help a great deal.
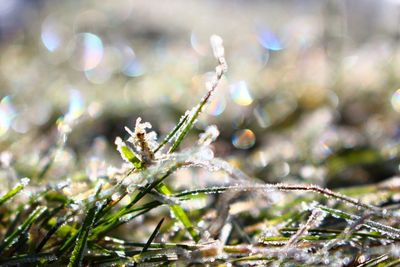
(276, 145)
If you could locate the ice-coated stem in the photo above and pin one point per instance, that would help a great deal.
(187, 123)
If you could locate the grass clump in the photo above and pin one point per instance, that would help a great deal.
(243, 222)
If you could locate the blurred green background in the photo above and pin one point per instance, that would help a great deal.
(311, 93)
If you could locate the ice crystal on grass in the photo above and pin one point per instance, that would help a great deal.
(120, 147)
(254, 187)
(250, 223)
(216, 44)
(25, 181)
(210, 135)
(144, 142)
(373, 225)
(313, 221)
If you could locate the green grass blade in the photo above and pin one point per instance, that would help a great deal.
(14, 223)
(9, 240)
(104, 229)
(112, 221)
(189, 126)
(129, 155)
(153, 235)
(50, 233)
(195, 114)
(180, 213)
(110, 202)
(151, 238)
(67, 244)
(172, 133)
(13, 192)
(22, 260)
(80, 246)
(193, 119)
(139, 196)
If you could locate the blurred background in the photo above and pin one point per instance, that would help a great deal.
(311, 94)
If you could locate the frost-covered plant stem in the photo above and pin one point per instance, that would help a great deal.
(220, 70)
(288, 187)
(146, 152)
(188, 122)
(180, 213)
(313, 221)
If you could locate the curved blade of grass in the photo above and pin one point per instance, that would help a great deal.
(80, 246)
(9, 240)
(381, 228)
(138, 197)
(113, 220)
(82, 235)
(151, 238)
(12, 193)
(189, 119)
(50, 233)
(335, 233)
(131, 157)
(25, 259)
(106, 227)
(67, 244)
(180, 213)
(190, 124)
(219, 72)
(284, 188)
(172, 133)
(153, 235)
(109, 203)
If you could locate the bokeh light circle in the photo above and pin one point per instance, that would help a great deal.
(395, 100)
(244, 139)
(240, 93)
(87, 51)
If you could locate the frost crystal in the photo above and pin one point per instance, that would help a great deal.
(144, 142)
(188, 115)
(217, 47)
(315, 219)
(209, 136)
(120, 145)
(25, 181)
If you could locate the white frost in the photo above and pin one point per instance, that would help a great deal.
(217, 47)
(25, 181)
(210, 135)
